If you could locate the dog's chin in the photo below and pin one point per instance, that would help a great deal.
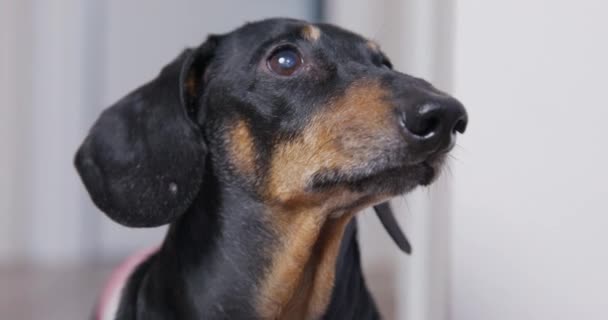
(389, 180)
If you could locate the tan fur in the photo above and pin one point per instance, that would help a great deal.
(340, 137)
(242, 148)
(286, 288)
(311, 33)
(373, 45)
(299, 282)
(327, 248)
(300, 279)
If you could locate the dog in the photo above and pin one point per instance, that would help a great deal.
(258, 147)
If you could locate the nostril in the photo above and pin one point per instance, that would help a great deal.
(460, 126)
(425, 126)
(422, 122)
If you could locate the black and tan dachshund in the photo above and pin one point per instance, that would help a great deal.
(258, 148)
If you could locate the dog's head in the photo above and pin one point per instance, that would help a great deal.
(295, 114)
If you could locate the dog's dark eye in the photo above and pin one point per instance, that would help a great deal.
(285, 61)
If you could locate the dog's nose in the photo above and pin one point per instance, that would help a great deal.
(432, 126)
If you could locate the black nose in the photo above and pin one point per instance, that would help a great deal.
(432, 126)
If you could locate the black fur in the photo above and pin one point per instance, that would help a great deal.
(160, 155)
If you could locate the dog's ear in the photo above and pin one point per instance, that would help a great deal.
(143, 161)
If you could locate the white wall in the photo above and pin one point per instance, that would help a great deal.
(8, 126)
(531, 211)
(50, 195)
(15, 69)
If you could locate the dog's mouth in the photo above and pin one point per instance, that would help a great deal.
(390, 179)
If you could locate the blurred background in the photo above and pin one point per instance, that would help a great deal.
(515, 229)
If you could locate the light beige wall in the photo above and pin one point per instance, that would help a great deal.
(13, 76)
(7, 124)
(530, 214)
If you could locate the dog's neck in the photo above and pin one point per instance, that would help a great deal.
(299, 279)
(224, 258)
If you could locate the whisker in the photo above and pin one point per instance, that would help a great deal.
(448, 168)
(453, 157)
(407, 205)
(461, 148)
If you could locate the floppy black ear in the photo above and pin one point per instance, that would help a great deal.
(142, 162)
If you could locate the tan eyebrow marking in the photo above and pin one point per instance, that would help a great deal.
(373, 45)
(311, 33)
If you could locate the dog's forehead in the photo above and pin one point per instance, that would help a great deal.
(270, 27)
(252, 35)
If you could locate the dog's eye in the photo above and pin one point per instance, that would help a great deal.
(285, 61)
